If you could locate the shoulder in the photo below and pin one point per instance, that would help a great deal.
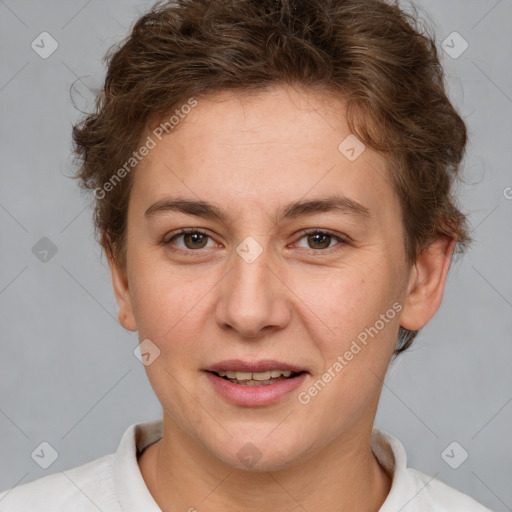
(87, 487)
(436, 495)
(414, 491)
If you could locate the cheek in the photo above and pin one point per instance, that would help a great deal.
(357, 304)
(346, 300)
(166, 299)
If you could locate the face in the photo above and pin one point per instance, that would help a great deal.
(292, 261)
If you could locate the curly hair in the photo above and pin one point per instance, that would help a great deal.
(371, 53)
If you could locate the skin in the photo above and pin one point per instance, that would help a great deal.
(303, 301)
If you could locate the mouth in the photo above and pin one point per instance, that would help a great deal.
(259, 383)
(256, 378)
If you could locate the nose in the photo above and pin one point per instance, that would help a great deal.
(253, 300)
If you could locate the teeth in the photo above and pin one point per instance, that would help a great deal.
(261, 376)
(242, 375)
(273, 374)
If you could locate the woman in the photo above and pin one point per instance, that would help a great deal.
(272, 183)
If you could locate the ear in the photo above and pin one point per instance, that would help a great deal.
(426, 284)
(123, 295)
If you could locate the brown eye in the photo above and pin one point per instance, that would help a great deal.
(318, 240)
(195, 240)
(192, 239)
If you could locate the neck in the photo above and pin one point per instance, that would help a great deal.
(345, 475)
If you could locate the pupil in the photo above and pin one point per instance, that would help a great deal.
(196, 237)
(325, 237)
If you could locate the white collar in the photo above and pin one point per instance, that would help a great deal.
(411, 490)
(129, 484)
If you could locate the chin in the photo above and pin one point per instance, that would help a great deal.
(258, 453)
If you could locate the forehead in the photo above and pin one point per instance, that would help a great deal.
(262, 150)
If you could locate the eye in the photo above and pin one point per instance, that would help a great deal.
(193, 238)
(320, 239)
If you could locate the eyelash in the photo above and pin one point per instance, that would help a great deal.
(183, 231)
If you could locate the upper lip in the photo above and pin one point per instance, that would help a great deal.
(238, 365)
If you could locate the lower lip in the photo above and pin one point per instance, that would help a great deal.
(252, 396)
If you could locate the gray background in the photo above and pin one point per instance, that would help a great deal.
(68, 375)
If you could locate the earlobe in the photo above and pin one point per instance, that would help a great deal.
(123, 295)
(426, 284)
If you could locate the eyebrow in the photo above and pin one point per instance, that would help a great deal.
(207, 210)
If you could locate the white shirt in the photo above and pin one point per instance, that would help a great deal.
(114, 483)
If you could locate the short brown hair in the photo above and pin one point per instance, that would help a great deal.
(369, 52)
